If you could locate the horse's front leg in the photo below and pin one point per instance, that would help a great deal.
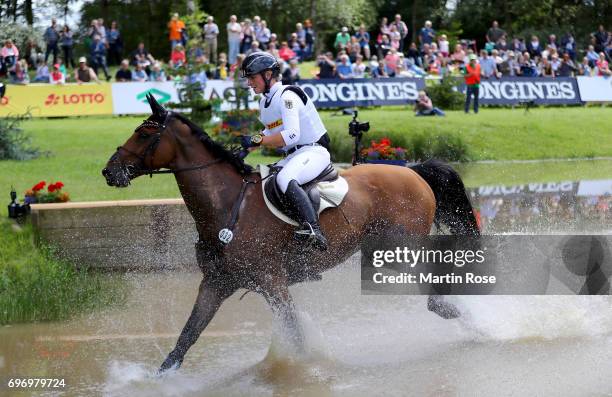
(438, 305)
(213, 291)
(278, 297)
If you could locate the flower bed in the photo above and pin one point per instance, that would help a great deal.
(383, 152)
(54, 193)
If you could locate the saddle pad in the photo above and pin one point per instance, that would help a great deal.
(332, 194)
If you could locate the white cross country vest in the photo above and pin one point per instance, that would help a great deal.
(284, 111)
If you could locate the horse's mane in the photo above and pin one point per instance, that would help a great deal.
(218, 150)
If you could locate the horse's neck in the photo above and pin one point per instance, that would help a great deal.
(209, 195)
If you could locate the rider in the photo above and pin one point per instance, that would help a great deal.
(291, 121)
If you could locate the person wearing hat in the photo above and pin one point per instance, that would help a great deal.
(291, 122)
(343, 38)
(57, 77)
(84, 74)
(472, 82)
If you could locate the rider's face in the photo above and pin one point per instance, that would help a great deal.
(257, 82)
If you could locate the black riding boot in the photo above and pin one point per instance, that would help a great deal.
(310, 229)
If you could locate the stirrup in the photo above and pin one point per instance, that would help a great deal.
(306, 232)
(311, 236)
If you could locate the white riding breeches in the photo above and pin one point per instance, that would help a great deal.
(303, 165)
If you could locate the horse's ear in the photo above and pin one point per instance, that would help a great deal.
(156, 108)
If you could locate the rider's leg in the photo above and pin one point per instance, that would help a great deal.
(310, 229)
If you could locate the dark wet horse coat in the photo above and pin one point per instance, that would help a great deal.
(263, 257)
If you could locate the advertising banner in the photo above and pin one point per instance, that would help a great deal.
(130, 98)
(539, 90)
(337, 93)
(595, 89)
(44, 100)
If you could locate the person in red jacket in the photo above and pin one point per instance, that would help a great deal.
(472, 82)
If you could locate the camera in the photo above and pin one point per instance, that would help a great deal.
(356, 129)
(16, 210)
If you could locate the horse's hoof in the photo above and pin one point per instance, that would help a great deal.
(443, 309)
(169, 364)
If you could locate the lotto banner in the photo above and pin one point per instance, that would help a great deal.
(44, 100)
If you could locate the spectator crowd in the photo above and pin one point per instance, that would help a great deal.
(356, 53)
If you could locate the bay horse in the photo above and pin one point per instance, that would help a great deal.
(263, 256)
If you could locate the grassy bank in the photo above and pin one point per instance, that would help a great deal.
(81, 147)
(36, 286)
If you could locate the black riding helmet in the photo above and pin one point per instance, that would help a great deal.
(258, 63)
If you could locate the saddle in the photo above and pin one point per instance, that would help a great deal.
(326, 190)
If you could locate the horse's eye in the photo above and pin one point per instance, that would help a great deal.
(143, 135)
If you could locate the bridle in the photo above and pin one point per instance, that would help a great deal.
(133, 171)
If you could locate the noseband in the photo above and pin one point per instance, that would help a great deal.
(152, 147)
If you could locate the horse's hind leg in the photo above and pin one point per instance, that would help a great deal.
(213, 291)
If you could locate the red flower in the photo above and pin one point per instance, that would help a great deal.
(59, 185)
(51, 188)
(39, 186)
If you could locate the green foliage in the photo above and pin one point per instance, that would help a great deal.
(445, 96)
(14, 142)
(36, 286)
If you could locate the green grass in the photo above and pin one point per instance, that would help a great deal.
(81, 146)
(35, 286)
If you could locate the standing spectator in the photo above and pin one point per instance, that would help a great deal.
(51, 38)
(9, 54)
(327, 67)
(57, 77)
(344, 68)
(124, 74)
(310, 39)
(395, 37)
(383, 29)
(494, 33)
(601, 38)
(256, 26)
(157, 73)
(175, 30)
(84, 74)
(42, 73)
(263, 36)
(472, 83)
(91, 32)
(98, 56)
(102, 31)
(343, 38)
(67, 43)
(534, 48)
(426, 35)
(291, 75)
(567, 67)
(603, 68)
(358, 69)
(211, 31)
(300, 34)
(247, 36)
(363, 37)
(568, 45)
(402, 29)
(444, 45)
(139, 75)
(424, 107)
(19, 74)
(233, 38)
(115, 44)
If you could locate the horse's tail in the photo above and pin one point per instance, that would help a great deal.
(453, 207)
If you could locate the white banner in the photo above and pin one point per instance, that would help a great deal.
(130, 98)
(224, 89)
(595, 89)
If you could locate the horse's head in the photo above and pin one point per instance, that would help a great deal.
(149, 148)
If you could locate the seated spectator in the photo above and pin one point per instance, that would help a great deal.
(392, 60)
(19, 73)
(199, 76)
(487, 65)
(555, 62)
(518, 45)
(273, 50)
(380, 71)
(344, 68)
(568, 45)
(592, 56)
(424, 107)
(458, 56)
(358, 69)
(602, 65)
(57, 77)
(534, 48)
(509, 66)
(124, 73)
(585, 68)
(383, 47)
(222, 70)
(363, 38)
(528, 67)
(414, 54)
(235, 68)
(9, 54)
(157, 73)
(263, 36)
(141, 56)
(254, 48)
(373, 63)
(295, 45)
(139, 75)
(84, 74)
(42, 73)
(285, 53)
(545, 68)
(394, 37)
(502, 44)
(552, 42)
(327, 67)
(291, 75)
(343, 38)
(177, 57)
(567, 67)
(274, 40)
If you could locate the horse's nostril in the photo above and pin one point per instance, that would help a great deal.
(105, 172)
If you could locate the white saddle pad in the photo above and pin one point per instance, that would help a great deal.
(332, 194)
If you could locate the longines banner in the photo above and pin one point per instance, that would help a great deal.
(539, 90)
(43, 100)
(337, 93)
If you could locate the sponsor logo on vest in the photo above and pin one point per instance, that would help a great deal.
(274, 124)
(74, 99)
(160, 96)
